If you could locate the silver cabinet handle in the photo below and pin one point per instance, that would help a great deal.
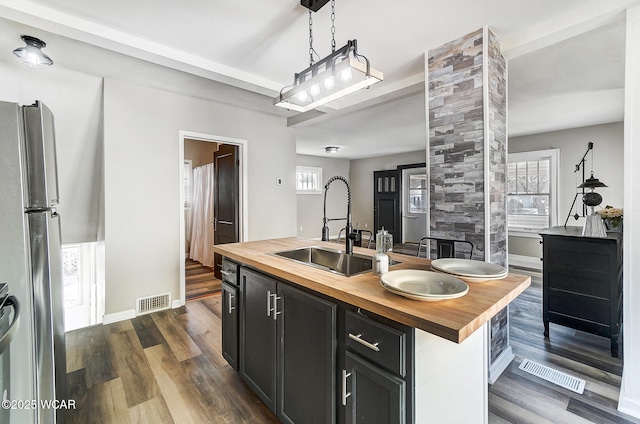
(269, 303)
(372, 346)
(225, 273)
(345, 394)
(231, 296)
(275, 306)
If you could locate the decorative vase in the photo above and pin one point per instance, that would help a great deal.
(614, 225)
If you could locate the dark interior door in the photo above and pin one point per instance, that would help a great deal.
(386, 202)
(226, 199)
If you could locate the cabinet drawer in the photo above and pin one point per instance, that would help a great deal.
(563, 256)
(573, 283)
(579, 306)
(229, 271)
(377, 342)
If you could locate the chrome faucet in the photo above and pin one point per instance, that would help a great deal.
(351, 236)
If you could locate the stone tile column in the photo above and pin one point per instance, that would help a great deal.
(467, 142)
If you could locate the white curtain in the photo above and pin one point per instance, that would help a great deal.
(202, 215)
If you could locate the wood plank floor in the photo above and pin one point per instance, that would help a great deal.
(519, 397)
(167, 367)
(200, 280)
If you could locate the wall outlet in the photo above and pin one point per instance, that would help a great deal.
(279, 181)
(366, 225)
(301, 228)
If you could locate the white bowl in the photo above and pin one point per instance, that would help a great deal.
(423, 285)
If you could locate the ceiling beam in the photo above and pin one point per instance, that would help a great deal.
(561, 28)
(48, 19)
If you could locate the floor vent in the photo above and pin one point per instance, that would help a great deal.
(158, 302)
(556, 377)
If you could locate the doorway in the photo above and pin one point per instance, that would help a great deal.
(386, 202)
(400, 204)
(415, 204)
(237, 198)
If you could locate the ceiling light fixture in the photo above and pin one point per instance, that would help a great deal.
(331, 149)
(32, 53)
(343, 72)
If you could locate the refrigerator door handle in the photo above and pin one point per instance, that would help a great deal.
(6, 338)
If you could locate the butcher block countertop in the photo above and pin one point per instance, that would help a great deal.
(453, 319)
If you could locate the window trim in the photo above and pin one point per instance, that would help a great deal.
(309, 169)
(554, 187)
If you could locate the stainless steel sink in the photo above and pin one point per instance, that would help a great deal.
(336, 261)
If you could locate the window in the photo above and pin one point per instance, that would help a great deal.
(308, 180)
(418, 193)
(71, 273)
(532, 190)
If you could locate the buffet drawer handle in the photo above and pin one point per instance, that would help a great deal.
(345, 394)
(226, 273)
(231, 297)
(372, 346)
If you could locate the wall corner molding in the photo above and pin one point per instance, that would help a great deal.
(118, 316)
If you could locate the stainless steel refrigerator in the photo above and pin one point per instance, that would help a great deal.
(30, 259)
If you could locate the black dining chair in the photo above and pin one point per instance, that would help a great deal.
(445, 248)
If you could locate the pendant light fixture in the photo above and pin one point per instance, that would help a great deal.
(32, 53)
(342, 72)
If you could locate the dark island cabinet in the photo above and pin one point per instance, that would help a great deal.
(377, 377)
(370, 394)
(288, 348)
(230, 341)
(230, 313)
(582, 282)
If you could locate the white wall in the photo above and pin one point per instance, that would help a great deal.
(310, 206)
(361, 178)
(142, 198)
(76, 101)
(608, 146)
(630, 390)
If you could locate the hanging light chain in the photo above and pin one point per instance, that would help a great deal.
(310, 38)
(333, 26)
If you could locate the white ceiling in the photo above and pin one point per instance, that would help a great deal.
(257, 46)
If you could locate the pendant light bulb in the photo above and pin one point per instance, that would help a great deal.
(303, 96)
(346, 75)
(329, 83)
(314, 90)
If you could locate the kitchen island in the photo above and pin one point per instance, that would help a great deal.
(381, 355)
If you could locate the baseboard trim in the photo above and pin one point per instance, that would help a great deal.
(525, 261)
(176, 303)
(118, 316)
(629, 406)
(500, 364)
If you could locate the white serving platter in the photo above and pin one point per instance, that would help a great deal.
(470, 270)
(423, 285)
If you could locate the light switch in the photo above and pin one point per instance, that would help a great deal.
(279, 181)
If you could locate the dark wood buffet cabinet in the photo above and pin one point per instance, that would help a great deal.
(582, 282)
